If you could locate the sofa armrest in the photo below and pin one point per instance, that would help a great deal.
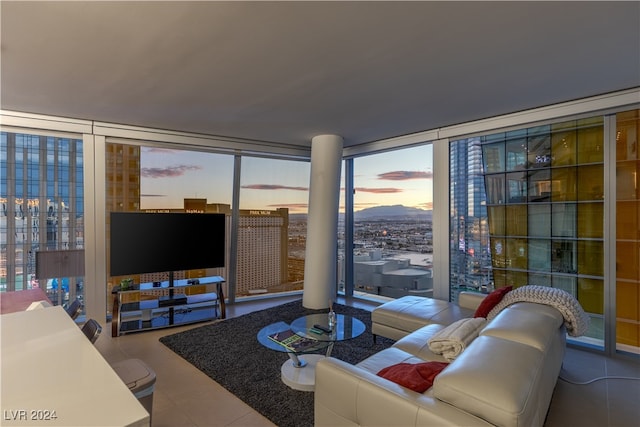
(347, 395)
(470, 300)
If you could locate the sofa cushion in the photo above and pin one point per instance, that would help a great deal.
(414, 376)
(451, 314)
(470, 300)
(528, 323)
(491, 301)
(495, 379)
(417, 343)
(387, 357)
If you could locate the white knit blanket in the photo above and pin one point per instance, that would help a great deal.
(452, 340)
(575, 319)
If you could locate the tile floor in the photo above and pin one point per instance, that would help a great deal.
(185, 397)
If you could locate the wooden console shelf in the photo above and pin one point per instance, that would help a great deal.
(145, 307)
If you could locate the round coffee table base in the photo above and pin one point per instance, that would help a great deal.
(301, 378)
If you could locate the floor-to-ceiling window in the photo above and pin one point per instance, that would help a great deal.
(42, 196)
(152, 179)
(271, 217)
(392, 227)
(545, 206)
(272, 225)
(544, 192)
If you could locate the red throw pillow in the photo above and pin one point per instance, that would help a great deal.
(418, 377)
(491, 301)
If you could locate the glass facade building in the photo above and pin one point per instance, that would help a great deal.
(42, 196)
(545, 206)
(470, 259)
(536, 206)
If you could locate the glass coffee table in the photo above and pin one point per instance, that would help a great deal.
(299, 371)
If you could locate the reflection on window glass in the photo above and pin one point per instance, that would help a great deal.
(563, 148)
(539, 255)
(496, 183)
(516, 154)
(493, 158)
(517, 253)
(40, 211)
(516, 220)
(591, 182)
(539, 148)
(516, 187)
(545, 213)
(539, 186)
(539, 220)
(590, 140)
(497, 221)
(563, 184)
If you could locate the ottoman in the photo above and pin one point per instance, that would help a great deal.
(398, 318)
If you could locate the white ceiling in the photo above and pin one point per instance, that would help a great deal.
(287, 71)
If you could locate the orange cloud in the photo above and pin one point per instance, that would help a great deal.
(405, 175)
(378, 190)
(273, 187)
(168, 172)
(293, 206)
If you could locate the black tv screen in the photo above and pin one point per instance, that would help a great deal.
(159, 242)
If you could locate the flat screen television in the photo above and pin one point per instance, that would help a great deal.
(158, 242)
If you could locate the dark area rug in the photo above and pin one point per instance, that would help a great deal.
(229, 353)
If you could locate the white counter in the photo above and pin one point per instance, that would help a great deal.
(49, 368)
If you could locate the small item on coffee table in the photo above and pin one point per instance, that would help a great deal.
(322, 328)
(331, 316)
(293, 341)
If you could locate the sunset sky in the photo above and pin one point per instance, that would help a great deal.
(169, 176)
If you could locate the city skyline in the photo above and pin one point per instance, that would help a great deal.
(169, 176)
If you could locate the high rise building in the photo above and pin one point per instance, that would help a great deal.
(123, 178)
(122, 186)
(262, 250)
(42, 197)
(470, 266)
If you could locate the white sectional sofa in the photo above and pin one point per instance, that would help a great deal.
(505, 377)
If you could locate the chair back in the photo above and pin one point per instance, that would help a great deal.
(74, 309)
(92, 330)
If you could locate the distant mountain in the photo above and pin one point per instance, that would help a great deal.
(380, 212)
(395, 211)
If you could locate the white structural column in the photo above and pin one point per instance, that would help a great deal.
(322, 221)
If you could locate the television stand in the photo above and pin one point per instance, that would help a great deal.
(148, 306)
(170, 301)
